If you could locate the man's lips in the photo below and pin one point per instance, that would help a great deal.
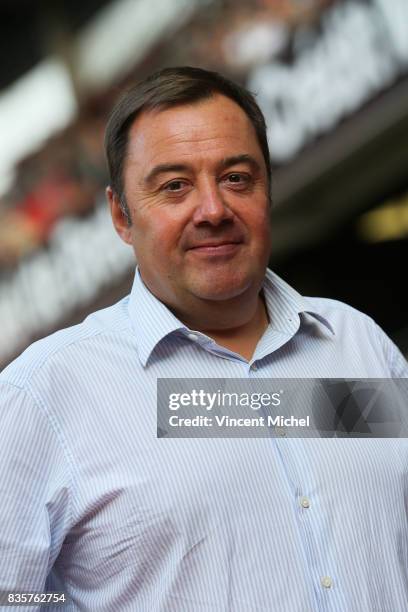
(212, 244)
(210, 247)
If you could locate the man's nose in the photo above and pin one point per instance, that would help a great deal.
(211, 205)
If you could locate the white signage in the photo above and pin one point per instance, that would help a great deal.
(363, 47)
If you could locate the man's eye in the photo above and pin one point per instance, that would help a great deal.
(174, 186)
(238, 178)
(235, 178)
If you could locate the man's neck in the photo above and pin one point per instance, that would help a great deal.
(237, 330)
(244, 339)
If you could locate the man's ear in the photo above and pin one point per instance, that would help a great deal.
(119, 216)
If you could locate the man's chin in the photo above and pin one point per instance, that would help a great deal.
(219, 292)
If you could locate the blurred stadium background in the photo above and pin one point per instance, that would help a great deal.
(332, 79)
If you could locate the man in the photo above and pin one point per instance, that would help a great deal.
(94, 504)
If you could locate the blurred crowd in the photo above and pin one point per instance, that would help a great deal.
(65, 176)
(61, 179)
(239, 36)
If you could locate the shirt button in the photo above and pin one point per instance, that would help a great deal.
(193, 337)
(254, 366)
(305, 502)
(280, 431)
(326, 582)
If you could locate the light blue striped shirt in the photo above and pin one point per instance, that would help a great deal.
(94, 504)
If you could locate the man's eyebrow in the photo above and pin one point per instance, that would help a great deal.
(225, 163)
(239, 159)
(162, 168)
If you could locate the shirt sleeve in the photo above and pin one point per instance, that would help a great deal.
(36, 491)
(397, 363)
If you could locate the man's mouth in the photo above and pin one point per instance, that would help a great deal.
(210, 247)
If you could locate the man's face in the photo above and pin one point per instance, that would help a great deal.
(196, 187)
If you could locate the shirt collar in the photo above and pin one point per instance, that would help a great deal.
(152, 321)
(284, 305)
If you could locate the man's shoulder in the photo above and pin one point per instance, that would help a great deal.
(349, 324)
(353, 326)
(330, 309)
(95, 329)
(347, 321)
(327, 306)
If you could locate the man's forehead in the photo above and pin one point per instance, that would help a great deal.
(205, 125)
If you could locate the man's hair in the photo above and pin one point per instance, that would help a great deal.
(162, 90)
